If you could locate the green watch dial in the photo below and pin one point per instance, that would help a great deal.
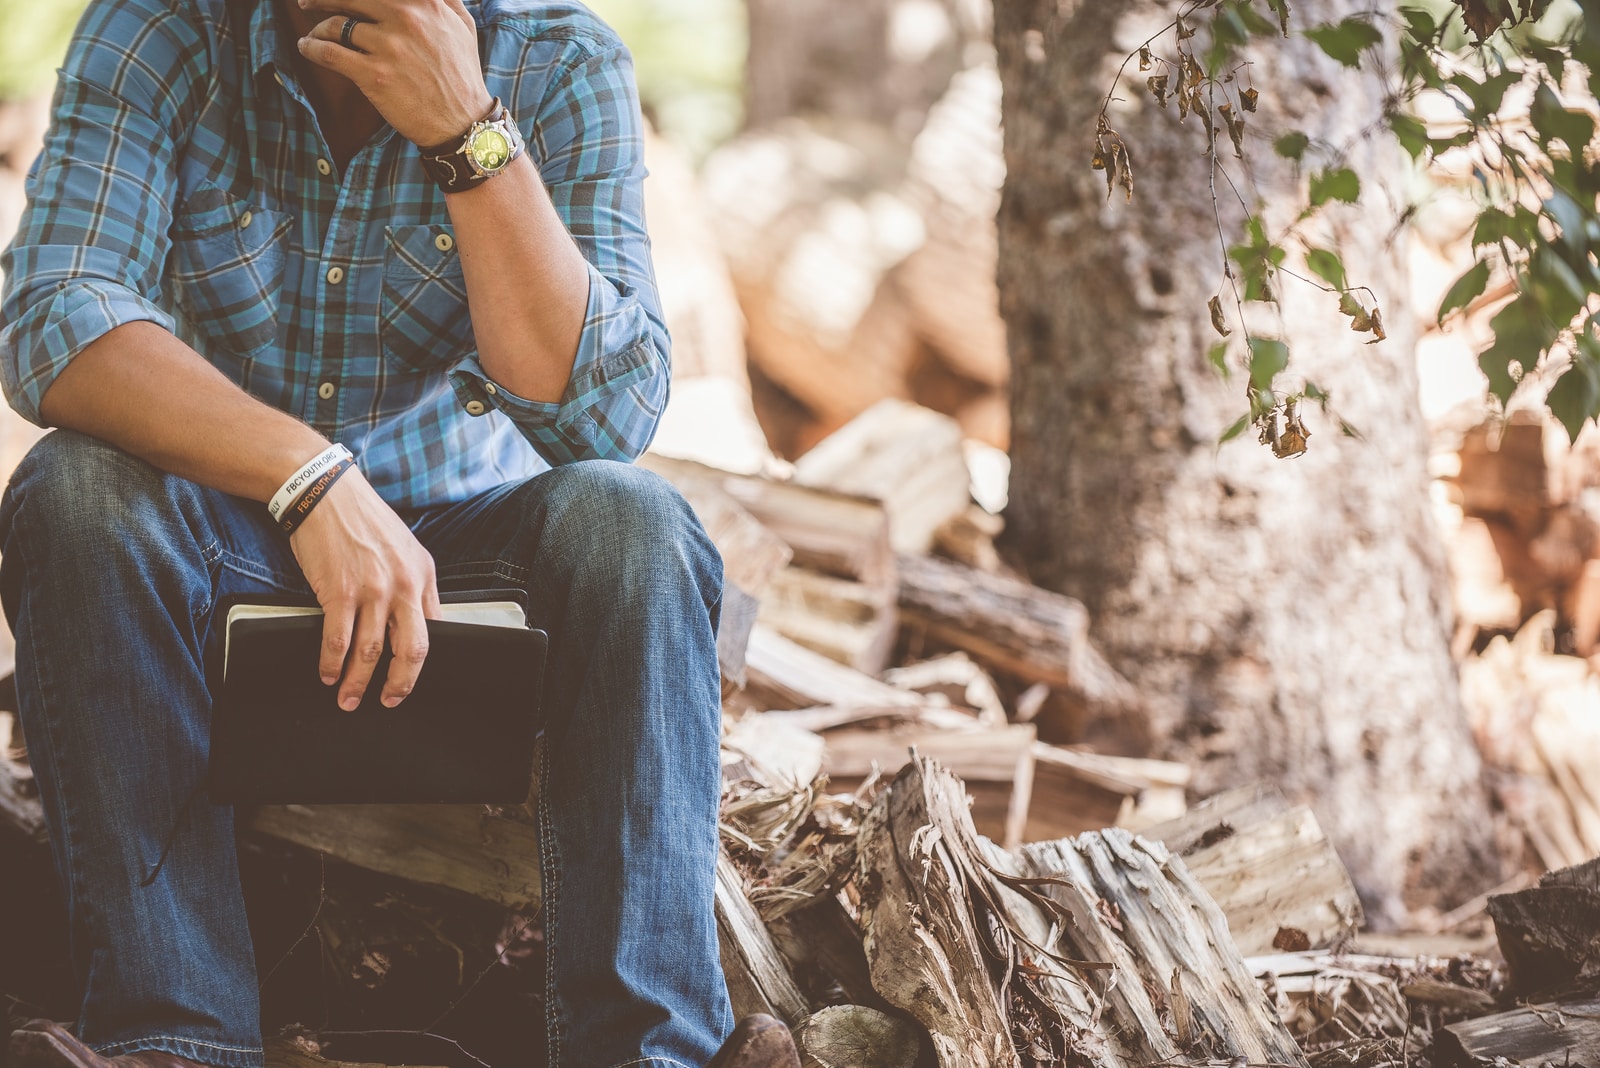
(490, 149)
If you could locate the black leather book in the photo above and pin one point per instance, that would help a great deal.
(465, 734)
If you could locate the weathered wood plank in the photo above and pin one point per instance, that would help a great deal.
(758, 979)
(834, 533)
(1181, 989)
(1010, 625)
(1269, 867)
(470, 848)
(1075, 791)
(1536, 1035)
(995, 765)
(843, 619)
(902, 454)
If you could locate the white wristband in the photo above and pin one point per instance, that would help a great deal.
(298, 481)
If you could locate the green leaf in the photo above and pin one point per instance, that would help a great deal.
(1268, 356)
(1521, 333)
(1218, 355)
(1519, 226)
(1420, 24)
(1327, 265)
(1255, 21)
(1575, 398)
(1291, 145)
(1235, 428)
(1486, 95)
(1412, 135)
(1336, 183)
(1554, 122)
(1555, 285)
(1346, 41)
(1552, 59)
(1466, 289)
(1281, 9)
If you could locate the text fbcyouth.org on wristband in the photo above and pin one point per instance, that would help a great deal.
(297, 482)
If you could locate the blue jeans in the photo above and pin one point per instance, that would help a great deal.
(109, 573)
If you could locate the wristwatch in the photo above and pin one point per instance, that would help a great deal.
(486, 149)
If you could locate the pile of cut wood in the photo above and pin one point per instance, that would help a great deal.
(1004, 921)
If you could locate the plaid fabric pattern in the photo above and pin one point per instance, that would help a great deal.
(184, 182)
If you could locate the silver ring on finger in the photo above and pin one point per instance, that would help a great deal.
(350, 24)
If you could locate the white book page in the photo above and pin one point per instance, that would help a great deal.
(483, 613)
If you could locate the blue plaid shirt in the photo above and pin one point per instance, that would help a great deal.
(184, 182)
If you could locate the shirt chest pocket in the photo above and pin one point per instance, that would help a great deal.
(425, 324)
(227, 268)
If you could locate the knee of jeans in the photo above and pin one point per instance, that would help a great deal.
(626, 523)
(79, 490)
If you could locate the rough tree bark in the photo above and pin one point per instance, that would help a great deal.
(1282, 620)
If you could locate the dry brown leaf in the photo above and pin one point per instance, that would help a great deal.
(1235, 126)
(1291, 940)
(1218, 321)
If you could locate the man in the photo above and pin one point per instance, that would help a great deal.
(262, 228)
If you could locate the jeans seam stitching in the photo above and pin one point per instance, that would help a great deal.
(199, 1043)
(250, 568)
(550, 867)
(486, 569)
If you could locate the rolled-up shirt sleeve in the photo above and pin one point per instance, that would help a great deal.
(89, 250)
(588, 141)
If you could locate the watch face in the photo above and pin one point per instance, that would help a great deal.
(490, 149)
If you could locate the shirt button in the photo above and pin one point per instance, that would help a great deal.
(335, 275)
(326, 390)
(490, 388)
(324, 168)
(444, 242)
(475, 407)
(244, 220)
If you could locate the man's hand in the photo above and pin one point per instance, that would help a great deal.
(415, 60)
(372, 577)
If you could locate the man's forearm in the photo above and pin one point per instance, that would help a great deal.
(527, 283)
(141, 389)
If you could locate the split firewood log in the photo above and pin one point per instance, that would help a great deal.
(1551, 1034)
(1179, 989)
(1270, 868)
(904, 455)
(857, 1036)
(944, 943)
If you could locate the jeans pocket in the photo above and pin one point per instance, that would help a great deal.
(425, 325)
(228, 259)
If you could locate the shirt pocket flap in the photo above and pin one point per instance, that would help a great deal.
(227, 268)
(425, 323)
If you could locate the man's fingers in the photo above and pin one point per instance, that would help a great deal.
(408, 638)
(333, 56)
(337, 622)
(366, 647)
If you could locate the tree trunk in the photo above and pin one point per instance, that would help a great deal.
(1282, 621)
